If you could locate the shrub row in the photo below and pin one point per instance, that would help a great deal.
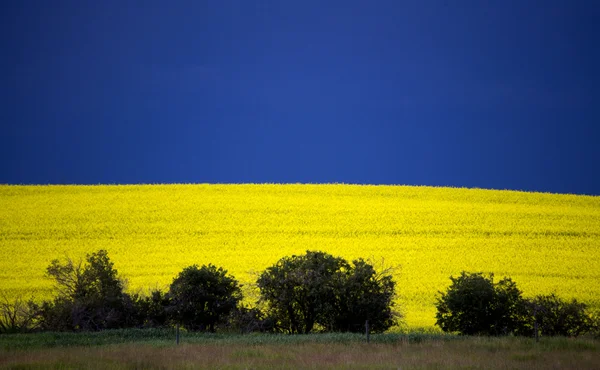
(475, 305)
(299, 294)
(314, 292)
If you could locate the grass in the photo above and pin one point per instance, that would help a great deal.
(54, 339)
(155, 349)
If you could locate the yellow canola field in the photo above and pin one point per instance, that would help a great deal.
(545, 242)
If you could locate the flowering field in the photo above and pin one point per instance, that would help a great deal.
(545, 242)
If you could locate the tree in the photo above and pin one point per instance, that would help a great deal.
(510, 314)
(203, 296)
(364, 294)
(90, 296)
(556, 316)
(474, 305)
(318, 290)
(246, 319)
(298, 290)
(16, 316)
(595, 323)
(151, 310)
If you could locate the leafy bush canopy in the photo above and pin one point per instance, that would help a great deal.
(318, 289)
(90, 296)
(556, 316)
(475, 305)
(298, 294)
(201, 297)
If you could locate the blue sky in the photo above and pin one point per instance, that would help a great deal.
(489, 94)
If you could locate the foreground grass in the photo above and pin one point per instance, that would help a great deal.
(9, 342)
(156, 349)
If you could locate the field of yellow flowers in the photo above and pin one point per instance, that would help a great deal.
(545, 242)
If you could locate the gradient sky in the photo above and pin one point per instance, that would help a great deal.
(490, 94)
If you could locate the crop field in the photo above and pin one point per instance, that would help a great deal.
(545, 242)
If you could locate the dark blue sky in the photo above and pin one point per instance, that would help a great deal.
(492, 94)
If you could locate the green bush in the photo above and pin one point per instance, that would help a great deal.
(475, 305)
(249, 319)
(90, 297)
(556, 316)
(363, 294)
(151, 311)
(202, 297)
(319, 291)
(16, 316)
(595, 323)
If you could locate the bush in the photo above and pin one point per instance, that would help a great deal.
(556, 316)
(595, 323)
(152, 310)
(16, 316)
(203, 297)
(363, 294)
(298, 290)
(248, 320)
(318, 290)
(90, 296)
(475, 305)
